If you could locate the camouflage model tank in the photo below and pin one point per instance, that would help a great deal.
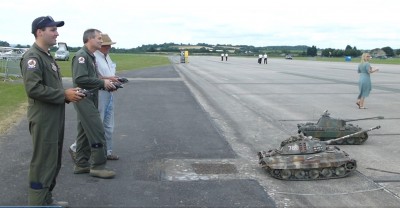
(329, 128)
(307, 158)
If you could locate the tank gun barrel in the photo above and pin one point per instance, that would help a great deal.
(376, 117)
(350, 135)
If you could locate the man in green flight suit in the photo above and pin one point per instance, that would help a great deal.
(46, 111)
(90, 143)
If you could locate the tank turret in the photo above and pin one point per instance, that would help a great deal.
(306, 158)
(329, 128)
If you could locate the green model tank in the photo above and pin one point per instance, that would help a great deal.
(329, 128)
(307, 158)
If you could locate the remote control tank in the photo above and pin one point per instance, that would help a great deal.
(329, 128)
(307, 158)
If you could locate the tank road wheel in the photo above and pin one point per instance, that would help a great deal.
(340, 171)
(299, 174)
(363, 138)
(351, 140)
(276, 173)
(285, 174)
(314, 174)
(339, 142)
(326, 172)
(358, 141)
(350, 166)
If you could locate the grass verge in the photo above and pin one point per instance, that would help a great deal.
(124, 62)
(13, 100)
(13, 104)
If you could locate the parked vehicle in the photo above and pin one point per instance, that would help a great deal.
(11, 52)
(62, 53)
(381, 57)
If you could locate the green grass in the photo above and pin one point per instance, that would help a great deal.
(353, 60)
(13, 96)
(12, 93)
(124, 62)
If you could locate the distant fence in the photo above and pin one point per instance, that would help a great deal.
(9, 67)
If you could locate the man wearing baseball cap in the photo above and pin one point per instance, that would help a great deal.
(106, 69)
(46, 111)
(43, 22)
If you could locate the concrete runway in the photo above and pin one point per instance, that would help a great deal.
(188, 135)
(258, 106)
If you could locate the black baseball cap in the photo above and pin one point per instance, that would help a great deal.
(45, 21)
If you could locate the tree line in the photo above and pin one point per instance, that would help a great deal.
(207, 49)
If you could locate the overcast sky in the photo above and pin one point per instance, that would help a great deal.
(364, 24)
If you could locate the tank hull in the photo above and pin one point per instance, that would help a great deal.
(325, 165)
(328, 133)
(327, 128)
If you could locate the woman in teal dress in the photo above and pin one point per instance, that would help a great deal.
(364, 83)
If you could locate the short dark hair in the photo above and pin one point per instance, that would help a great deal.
(89, 33)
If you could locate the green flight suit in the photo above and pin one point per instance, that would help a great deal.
(90, 142)
(46, 117)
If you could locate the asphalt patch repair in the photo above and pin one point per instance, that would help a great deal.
(204, 168)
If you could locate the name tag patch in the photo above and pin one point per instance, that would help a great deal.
(54, 67)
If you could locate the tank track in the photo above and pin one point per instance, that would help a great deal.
(313, 173)
(350, 141)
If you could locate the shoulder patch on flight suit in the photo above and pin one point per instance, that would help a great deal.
(32, 64)
(81, 60)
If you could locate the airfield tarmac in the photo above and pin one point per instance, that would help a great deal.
(259, 105)
(188, 135)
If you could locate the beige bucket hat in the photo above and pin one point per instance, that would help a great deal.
(106, 39)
